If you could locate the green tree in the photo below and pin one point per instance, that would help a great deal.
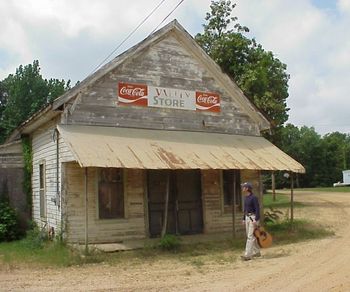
(336, 146)
(24, 93)
(324, 158)
(260, 75)
(311, 155)
(3, 101)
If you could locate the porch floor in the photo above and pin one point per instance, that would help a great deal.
(141, 243)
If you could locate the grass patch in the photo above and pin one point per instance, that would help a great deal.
(285, 232)
(282, 201)
(27, 252)
(24, 251)
(327, 189)
(45, 254)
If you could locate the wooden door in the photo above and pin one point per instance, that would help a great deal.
(156, 181)
(185, 214)
(189, 202)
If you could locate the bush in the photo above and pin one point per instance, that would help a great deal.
(169, 242)
(36, 237)
(272, 215)
(9, 223)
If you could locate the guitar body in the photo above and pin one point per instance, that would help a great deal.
(263, 237)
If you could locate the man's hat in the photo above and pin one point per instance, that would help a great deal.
(247, 185)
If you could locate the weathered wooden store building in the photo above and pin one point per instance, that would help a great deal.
(159, 120)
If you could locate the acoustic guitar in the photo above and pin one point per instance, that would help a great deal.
(263, 237)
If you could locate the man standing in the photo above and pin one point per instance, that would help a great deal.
(251, 218)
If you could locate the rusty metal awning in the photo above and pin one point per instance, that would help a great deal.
(94, 146)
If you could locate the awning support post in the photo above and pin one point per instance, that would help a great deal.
(165, 222)
(234, 206)
(261, 198)
(291, 198)
(86, 212)
(273, 185)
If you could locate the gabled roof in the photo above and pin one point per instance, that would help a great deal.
(187, 40)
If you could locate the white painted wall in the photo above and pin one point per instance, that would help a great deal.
(44, 151)
(346, 176)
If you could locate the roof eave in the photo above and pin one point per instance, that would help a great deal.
(33, 122)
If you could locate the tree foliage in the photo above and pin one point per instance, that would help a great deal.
(263, 78)
(23, 93)
(324, 158)
(9, 223)
(260, 75)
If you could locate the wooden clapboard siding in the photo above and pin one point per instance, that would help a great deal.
(44, 151)
(215, 219)
(166, 64)
(11, 155)
(102, 230)
(11, 178)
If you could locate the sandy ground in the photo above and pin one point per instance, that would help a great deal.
(318, 265)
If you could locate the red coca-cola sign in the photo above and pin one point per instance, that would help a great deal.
(207, 101)
(132, 94)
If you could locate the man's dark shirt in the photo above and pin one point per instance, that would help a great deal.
(251, 205)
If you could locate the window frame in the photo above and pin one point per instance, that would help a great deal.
(42, 189)
(227, 208)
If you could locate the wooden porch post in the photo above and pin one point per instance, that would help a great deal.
(234, 206)
(273, 182)
(261, 199)
(291, 197)
(86, 212)
(165, 222)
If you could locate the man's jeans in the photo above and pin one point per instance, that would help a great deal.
(252, 248)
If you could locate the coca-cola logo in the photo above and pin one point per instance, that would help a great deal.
(133, 94)
(137, 91)
(208, 99)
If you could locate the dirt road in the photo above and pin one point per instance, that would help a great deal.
(320, 265)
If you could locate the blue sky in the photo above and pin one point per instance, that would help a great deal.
(325, 4)
(70, 38)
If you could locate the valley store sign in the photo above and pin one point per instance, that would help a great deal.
(151, 96)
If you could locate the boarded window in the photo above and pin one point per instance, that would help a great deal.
(42, 190)
(231, 187)
(111, 193)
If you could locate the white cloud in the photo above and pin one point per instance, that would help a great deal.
(33, 29)
(70, 38)
(344, 5)
(314, 44)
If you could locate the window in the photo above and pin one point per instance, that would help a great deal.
(42, 190)
(231, 187)
(111, 193)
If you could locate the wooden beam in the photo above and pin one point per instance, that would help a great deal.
(165, 222)
(291, 197)
(86, 212)
(261, 203)
(234, 231)
(273, 185)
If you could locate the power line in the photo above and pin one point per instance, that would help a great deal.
(165, 18)
(129, 35)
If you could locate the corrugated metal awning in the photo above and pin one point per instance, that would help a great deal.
(159, 149)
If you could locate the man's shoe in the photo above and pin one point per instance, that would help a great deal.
(257, 255)
(245, 258)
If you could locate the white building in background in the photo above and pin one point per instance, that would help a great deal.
(346, 179)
